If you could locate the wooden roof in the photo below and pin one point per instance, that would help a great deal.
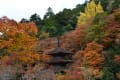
(59, 50)
(59, 61)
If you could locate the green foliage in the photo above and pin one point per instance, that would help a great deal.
(3, 51)
(49, 23)
(49, 13)
(65, 21)
(97, 31)
(36, 19)
(24, 20)
(56, 24)
(108, 75)
(60, 23)
(109, 54)
(116, 4)
(99, 18)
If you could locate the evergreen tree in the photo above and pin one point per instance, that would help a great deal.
(49, 13)
(24, 20)
(49, 22)
(35, 18)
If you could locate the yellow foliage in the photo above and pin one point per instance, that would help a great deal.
(99, 8)
(90, 12)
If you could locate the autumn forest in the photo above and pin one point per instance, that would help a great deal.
(82, 43)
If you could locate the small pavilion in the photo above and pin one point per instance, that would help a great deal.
(60, 59)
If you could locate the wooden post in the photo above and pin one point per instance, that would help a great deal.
(58, 39)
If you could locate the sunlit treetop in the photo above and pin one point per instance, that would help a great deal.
(99, 8)
(90, 12)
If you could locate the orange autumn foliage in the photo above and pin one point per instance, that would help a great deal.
(81, 73)
(24, 57)
(92, 55)
(111, 28)
(30, 28)
(88, 62)
(74, 40)
(79, 36)
(67, 41)
(94, 58)
(19, 39)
